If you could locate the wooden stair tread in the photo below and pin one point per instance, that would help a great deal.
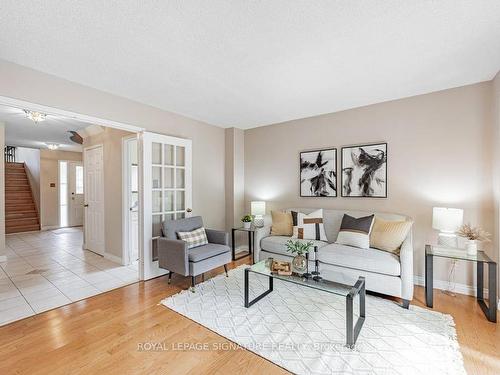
(20, 210)
(27, 228)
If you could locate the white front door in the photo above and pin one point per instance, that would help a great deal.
(165, 192)
(94, 198)
(75, 192)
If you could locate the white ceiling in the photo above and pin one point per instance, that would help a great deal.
(22, 132)
(251, 63)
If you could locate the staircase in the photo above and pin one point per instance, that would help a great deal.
(20, 211)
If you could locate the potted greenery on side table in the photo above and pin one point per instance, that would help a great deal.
(299, 249)
(247, 221)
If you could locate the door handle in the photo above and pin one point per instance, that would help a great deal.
(189, 210)
(85, 205)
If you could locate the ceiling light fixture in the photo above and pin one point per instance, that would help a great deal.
(52, 146)
(36, 117)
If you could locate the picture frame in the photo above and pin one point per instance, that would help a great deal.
(364, 171)
(318, 173)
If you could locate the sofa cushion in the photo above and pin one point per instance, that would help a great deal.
(389, 235)
(371, 260)
(276, 244)
(355, 231)
(210, 250)
(282, 223)
(310, 226)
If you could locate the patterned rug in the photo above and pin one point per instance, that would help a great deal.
(303, 330)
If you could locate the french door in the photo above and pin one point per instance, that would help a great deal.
(166, 192)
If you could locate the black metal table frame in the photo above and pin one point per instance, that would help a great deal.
(490, 309)
(352, 330)
(251, 243)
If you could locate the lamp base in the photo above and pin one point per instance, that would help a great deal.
(258, 221)
(447, 240)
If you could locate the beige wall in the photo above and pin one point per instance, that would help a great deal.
(439, 154)
(2, 194)
(496, 163)
(235, 176)
(111, 140)
(49, 174)
(208, 141)
(235, 184)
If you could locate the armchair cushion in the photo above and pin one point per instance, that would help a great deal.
(217, 236)
(171, 227)
(210, 250)
(194, 238)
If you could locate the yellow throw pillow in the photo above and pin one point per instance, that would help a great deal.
(389, 235)
(282, 223)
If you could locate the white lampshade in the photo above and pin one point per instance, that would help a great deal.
(447, 219)
(258, 208)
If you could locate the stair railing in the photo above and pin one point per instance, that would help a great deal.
(10, 154)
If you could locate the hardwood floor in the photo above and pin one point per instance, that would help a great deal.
(104, 335)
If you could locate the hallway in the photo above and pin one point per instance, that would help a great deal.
(45, 270)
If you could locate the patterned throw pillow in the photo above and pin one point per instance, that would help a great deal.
(309, 227)
(195, 238)
(389, 235)
(355, 231)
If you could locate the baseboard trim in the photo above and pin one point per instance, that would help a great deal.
(241, 249)
(50, 227)
(455, 287)
(113, 258)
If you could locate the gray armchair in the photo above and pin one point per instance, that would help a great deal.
(174, 255)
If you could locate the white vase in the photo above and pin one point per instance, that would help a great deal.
(247, 224)
(471, 247)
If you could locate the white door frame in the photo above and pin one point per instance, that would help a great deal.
(68, 224)
(125, 202)
(22, 104)
(85, 188)
(72, 197)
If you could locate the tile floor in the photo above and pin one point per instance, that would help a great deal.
(45, 270)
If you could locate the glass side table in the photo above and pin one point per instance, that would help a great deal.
(251, 242)
(490, 309)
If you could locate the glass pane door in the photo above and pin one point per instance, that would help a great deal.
(168, 184)
(167, 191)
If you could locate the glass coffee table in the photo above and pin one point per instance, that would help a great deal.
(349, 292)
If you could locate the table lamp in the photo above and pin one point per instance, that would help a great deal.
(447, 221)
(258, 210)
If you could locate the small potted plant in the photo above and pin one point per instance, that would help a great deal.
(473, 236)
(247, 221)
(299, 249)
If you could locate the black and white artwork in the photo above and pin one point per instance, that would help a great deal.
(364, 171)
(318, 173)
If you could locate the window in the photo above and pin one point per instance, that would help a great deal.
(79, 180)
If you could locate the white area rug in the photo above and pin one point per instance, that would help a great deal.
(303, 330)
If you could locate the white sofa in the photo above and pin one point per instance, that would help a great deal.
(384, 272)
